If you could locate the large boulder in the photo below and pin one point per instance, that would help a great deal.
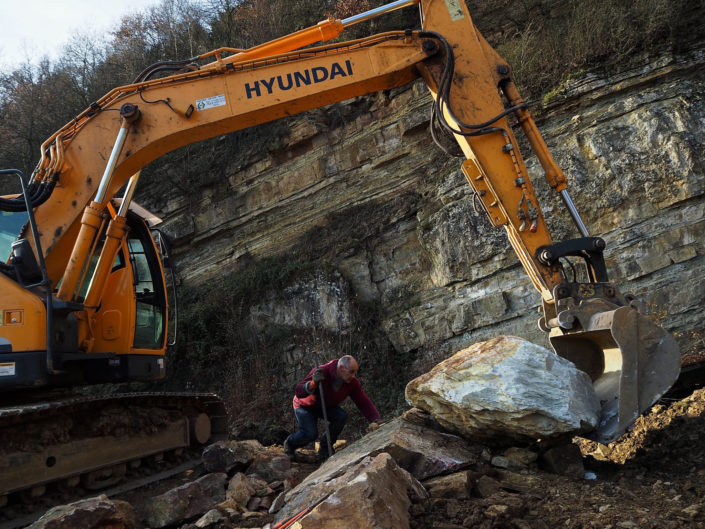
(185, 502)
(507, 389)
(374, 494)
(419, 450)
(92, 513)
(416, 451)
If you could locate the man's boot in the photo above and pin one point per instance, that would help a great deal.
(323, 454)
(289, 450)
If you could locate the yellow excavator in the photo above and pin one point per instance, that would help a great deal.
(82, 292)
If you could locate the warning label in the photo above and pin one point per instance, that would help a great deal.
(7, 369)
(454, 9)
(210, 102)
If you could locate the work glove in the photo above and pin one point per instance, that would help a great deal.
(319, 376)
(373, 426)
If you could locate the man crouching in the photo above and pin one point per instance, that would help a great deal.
(338, 380)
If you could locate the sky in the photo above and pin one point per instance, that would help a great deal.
(34, 28)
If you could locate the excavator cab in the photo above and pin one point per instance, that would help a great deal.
(17, 258)
(121, 338)
(11, 223)
(150, 295)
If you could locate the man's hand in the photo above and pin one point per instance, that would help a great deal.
(319, 376)
(373, 426)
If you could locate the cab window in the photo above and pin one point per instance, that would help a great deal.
(10, 226)
(149, 291)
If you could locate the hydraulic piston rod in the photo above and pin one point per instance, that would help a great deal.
(128, 114)
(574, 213)
(129, 193)
(92, 216)
(374, 13)
(324, 31)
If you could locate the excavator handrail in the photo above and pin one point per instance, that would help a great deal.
(45, 281)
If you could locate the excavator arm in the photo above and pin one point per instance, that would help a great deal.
(631, 361)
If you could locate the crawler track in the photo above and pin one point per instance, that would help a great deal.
(91, 443)
(22, 517)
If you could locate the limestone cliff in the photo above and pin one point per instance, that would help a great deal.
(384, 219)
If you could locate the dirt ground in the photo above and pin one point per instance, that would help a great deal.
(653, 477)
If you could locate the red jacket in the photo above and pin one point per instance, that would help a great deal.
(304, 399)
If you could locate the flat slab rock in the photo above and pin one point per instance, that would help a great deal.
(189, 500)
(421, 451)
(373, 494)
(418, 450)
(507, 389)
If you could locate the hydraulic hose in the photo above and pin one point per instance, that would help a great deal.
(443, 100)
(40, 194)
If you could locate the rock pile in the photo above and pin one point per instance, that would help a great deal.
(236, 483)
(390, 477)
(393, 478)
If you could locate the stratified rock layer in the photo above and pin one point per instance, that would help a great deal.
(388, 219)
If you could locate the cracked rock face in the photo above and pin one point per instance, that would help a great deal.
(396, 224)
(507, 388)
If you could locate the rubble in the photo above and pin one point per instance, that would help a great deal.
(472, 493)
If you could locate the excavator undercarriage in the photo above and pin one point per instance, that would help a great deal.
(92, 441)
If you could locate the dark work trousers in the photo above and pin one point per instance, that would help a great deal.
(308, 426)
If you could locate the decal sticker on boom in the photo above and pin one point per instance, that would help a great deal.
(456, 12)
(210, 102)
(7, 369)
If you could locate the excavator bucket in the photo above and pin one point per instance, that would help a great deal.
(632, 363)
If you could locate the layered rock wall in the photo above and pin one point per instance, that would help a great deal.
(359, 190)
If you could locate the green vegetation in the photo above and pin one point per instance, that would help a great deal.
(219, 351)
(38, 97)
(549, 41)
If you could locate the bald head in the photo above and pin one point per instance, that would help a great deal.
(347, 368)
